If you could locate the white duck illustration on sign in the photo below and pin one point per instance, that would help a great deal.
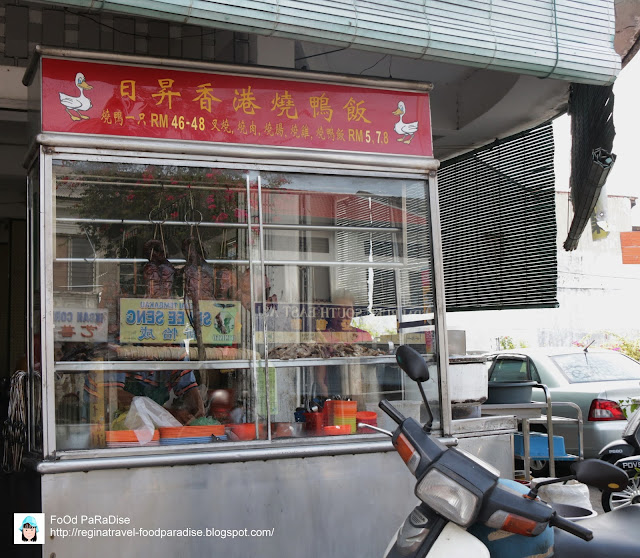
(77, 104)
(406, 129)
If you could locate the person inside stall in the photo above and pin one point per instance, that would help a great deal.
(158, 385)
(328, 379)
(340, 328)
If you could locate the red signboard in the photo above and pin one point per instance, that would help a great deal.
(82, 97)
(630, 246)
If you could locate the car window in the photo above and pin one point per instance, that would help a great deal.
(509, 370)
(533, 371)
(597, 367)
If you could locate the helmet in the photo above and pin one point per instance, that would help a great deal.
(31, 521)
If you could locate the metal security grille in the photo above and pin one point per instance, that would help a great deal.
(497, 208)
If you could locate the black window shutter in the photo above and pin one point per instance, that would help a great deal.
(497, 209)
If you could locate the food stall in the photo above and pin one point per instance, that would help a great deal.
(222, 262)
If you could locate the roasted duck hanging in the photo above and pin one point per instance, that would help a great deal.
(158, 273)
(198, 285)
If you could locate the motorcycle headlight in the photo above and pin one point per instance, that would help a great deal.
(447, 497)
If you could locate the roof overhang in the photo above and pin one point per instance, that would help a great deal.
(571, 41)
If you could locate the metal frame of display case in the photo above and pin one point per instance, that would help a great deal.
(47, 146)
(90, 153)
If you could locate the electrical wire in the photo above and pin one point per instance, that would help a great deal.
(14, 430)
(320, 54)
(374, 65)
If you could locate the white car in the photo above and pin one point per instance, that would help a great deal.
(603, 383)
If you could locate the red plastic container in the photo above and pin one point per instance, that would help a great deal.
(314, 423)
(247, 430)
(337, 429)
(366, 417)
(327, 411)
(126, 436)
(191, 431)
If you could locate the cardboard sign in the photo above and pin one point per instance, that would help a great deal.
(84, 325)
(165, 321)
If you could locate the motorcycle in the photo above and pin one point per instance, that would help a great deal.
(624, 454)
(466, 509)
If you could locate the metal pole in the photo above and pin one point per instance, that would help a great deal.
(440, 314)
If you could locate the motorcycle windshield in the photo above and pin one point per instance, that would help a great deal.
(632, 425)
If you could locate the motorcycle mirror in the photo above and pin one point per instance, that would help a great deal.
(416, 368)
(600, 474)
(412, 363)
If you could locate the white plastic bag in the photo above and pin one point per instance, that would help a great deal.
(572, 493)
(145, 415)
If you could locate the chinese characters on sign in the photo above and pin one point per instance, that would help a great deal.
(165, 322)
(84, 325)
(173, 104)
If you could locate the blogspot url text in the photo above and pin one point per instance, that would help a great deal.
(90, 533)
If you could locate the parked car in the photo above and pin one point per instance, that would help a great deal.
(602, 382)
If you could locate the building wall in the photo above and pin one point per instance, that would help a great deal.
(596, 291)
(21, 29)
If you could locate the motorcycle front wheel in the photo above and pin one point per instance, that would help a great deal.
(626, 497)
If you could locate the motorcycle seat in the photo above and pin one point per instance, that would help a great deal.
(614, 534)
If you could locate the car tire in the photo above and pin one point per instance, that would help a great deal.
(626, 497)
(537, 467)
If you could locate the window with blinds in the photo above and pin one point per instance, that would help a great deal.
(75, 270)
(497, 209)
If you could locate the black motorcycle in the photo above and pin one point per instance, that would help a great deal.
(466, 509)
(625, 454)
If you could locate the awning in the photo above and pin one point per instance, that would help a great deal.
(564, 39)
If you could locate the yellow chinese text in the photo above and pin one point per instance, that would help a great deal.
(166, 92)
(205, 96)
(355, 111)
(321, 107)
(128, 89)
(284, 103)
(245, 101)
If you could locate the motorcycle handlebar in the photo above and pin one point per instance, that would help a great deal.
(571, 527)
(388, 408)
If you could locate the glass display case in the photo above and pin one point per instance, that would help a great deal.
(223, 261)
(254, 305)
